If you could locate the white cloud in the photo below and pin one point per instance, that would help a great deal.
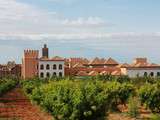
(90, 21)
(12, 11)
(122, 45)
(125, 36)
(17, 17)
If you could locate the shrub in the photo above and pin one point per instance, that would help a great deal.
(155, 117)
(79, 100)
(6, 85)
(123, 79)
(30, 84)
(104, 77)
(70, 101)
(133, 105)
(150, 96)
(118, 93)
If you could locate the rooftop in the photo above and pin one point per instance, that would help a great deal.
(56, 58)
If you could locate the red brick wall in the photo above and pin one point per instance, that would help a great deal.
(30, 63)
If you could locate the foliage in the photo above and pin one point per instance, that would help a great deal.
(30, 84)
(104, 77)
(133, 105)
(123, 79)
(155, 117)
(77, 99)
(6, 85)
(111, 78)
(150, 96)
(118, 93)
(70, 101)
(70, 98)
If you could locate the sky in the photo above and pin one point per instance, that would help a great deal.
(121, 29)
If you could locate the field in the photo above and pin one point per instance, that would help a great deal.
(97, 98)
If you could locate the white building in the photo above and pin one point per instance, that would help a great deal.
(49, 67)
(140, 68)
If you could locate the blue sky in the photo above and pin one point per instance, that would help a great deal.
(122, 29)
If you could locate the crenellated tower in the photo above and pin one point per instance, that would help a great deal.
(30, 63)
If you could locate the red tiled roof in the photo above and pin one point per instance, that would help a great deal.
(153, 64)
(111, 61)
(93, 73)
(102, 60)
(96, 61)
(142, 65)
(56, 58)
(105, 73)
(74, 61)
(82, 73)
(116, 73)
(78, 65)
(85, 61)
(123, 65)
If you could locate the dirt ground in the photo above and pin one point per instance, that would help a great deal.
(14, 105)
(143, 114)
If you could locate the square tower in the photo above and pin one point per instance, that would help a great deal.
(30, 63)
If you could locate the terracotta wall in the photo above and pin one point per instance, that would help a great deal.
(30, 63)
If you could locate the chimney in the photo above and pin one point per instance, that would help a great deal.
(45, 51)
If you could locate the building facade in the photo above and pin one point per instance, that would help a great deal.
(51, 67)
(44, 66)
(141, 68)
(33, 65)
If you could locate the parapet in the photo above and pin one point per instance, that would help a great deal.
(31, 53)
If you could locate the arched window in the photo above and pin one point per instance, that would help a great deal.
(54, 67)
(60, 67)
(137, 75)
(60, 74)
(41, 74)
(158, 74)
(54, 74)
(145, 74)
(41, 67)
(47, 67)
(151, 74)
(48, 74)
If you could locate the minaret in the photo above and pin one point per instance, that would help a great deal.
(45, 51)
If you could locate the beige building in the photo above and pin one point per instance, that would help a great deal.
(140, 67)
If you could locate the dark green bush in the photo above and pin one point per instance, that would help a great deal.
(30, 84)
(118, 93)
(150, 96)
(123, 79)
(6, 85)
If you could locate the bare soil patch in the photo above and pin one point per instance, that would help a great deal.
(14, 105)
